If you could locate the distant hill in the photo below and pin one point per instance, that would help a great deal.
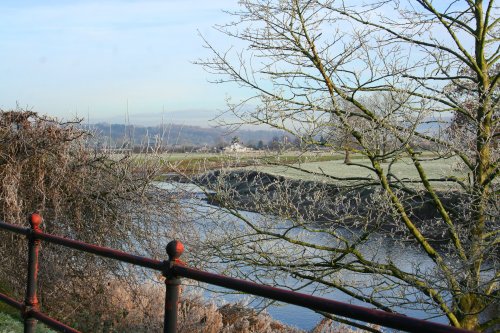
(177, 135)
(192, 117)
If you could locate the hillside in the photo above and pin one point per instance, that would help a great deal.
(178, 135)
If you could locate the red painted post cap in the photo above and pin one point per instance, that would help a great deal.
(175, 249)
(35, 220)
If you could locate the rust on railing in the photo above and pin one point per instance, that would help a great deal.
(172, 284)
(173, 269)
(31, 300)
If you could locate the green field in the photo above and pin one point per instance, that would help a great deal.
(316, 166)
(402, 169)
(199, 162)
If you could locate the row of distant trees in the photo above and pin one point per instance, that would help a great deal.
(155, 144)
(328, 138)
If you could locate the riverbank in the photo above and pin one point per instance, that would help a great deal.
(313, 200)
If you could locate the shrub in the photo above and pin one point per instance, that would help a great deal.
(84, 194)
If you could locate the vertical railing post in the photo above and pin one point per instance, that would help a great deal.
(31, 299)
(172, 284)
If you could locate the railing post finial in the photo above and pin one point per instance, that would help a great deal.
(35, 219)
(174, 250)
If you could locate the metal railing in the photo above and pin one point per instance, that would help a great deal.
(173, 269)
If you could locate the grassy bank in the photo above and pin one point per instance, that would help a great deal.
(10, 324)
(192, 163)
(436, 170)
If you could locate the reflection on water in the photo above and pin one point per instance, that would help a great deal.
(406, 257)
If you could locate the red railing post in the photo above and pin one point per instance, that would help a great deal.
(172, 284)
(31, 300)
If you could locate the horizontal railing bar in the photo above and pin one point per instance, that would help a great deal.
(10, 301)
(52, 323)
(90, 248)
(14, 228)
(102, 251)
(387, 319)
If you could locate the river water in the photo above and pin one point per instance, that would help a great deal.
(406, 257)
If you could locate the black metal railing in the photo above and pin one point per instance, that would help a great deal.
(173, 269)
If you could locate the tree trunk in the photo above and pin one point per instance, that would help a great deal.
(469, 306)
(347, 158)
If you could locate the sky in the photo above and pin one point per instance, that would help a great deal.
(92, 58)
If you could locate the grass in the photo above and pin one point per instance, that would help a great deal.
(403, 169)
(10, 318)
(9, 324)
(4, 308)
(10, 311)
(192, 163)
(317, 166)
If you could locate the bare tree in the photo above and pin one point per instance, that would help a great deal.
(320, 64)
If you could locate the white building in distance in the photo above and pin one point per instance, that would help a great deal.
(236, 147)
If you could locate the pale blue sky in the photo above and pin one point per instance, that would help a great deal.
(62, 57)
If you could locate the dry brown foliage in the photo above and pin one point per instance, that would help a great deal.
(143, 312)
(82, 193)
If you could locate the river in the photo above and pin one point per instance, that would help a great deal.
(406, 257)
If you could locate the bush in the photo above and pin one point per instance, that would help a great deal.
(84, 194)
